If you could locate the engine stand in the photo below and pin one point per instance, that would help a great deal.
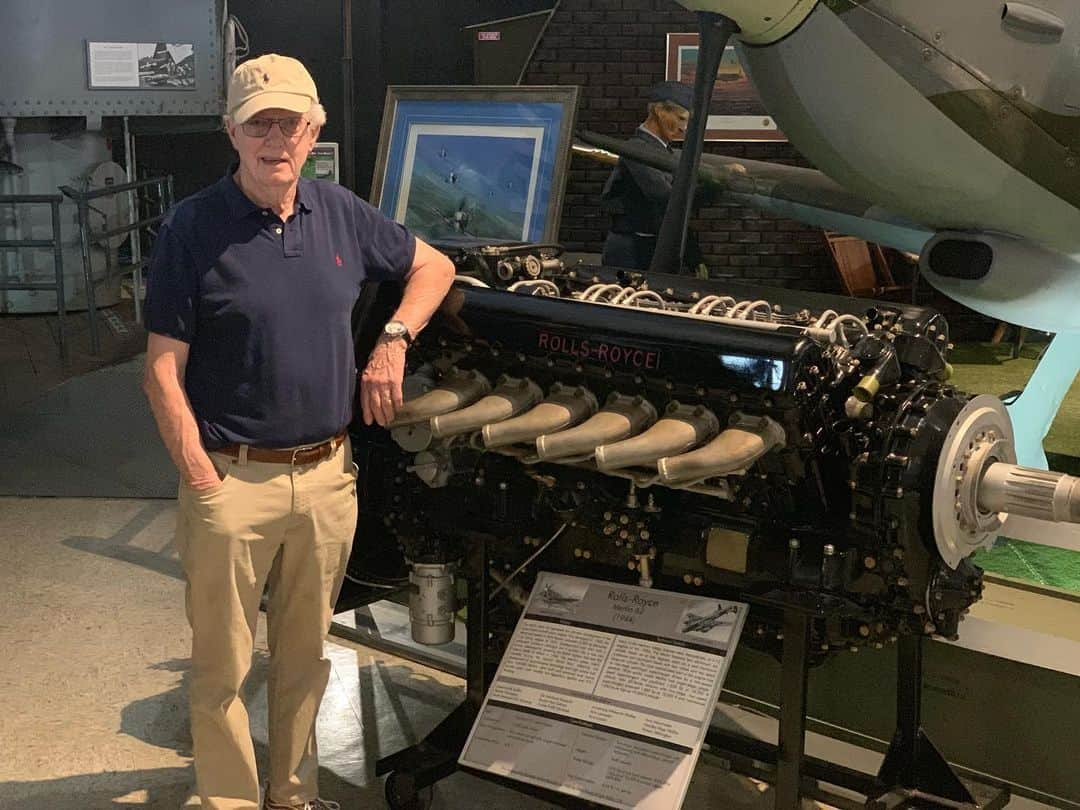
(913, 775)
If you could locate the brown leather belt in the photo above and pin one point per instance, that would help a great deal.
(307, 454)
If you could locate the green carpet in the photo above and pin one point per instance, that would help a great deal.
(1033, 563)
(985, 368)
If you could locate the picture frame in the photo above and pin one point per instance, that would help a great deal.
(475, 164)
(736, 112)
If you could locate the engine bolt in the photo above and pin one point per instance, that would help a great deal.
(631, 565)
(902, 582)
(623, 519)
(918, 610)
(698, 581)
(688, 579)
(870, 563)
(503, 486)
(793, 543)
(864, 631)
(644, 534)
(587, 554)
(577, 552)
(624, 535)
(930, 628)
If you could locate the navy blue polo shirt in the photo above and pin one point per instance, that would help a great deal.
(266, 307)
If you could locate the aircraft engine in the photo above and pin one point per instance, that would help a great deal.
(727, 440)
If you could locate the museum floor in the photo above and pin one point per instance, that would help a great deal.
(94, 641)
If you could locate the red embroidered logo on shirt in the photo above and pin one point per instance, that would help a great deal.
(337, 258)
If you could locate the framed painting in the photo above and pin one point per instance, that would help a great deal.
(475, 165)
(737, 112)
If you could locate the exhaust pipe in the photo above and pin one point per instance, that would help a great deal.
(510, 397)
(564, 407)
(457, 390)
(622, 416)
(683, 427)
(746, 440)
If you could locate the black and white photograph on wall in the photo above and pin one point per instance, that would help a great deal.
(166, 65)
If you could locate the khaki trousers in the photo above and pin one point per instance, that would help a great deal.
(291, 527)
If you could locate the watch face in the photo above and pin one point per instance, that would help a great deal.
(395, 329)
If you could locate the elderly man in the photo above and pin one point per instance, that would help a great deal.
(637, 195)
(250, 373)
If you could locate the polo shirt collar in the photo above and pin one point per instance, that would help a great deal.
(240, 205)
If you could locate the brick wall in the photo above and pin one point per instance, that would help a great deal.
(615, 50)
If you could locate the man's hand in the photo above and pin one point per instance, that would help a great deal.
(380, 384)
(205, 478)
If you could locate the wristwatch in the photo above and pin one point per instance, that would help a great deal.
(396, 330)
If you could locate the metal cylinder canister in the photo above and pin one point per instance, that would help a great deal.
(432, 603)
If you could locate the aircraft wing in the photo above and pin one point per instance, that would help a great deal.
(791, 192)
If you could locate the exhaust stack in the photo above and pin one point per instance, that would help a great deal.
(622, 416)
(682, 427)
(564, 408)
(459, 389)
(746, 440)
(510, 397)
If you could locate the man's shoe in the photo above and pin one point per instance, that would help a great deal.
(314, 804)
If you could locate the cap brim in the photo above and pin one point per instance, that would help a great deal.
(270, 100)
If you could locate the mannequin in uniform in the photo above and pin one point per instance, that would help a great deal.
(637, 195)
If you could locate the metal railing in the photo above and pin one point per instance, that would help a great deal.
(88, 235)
(54, 243)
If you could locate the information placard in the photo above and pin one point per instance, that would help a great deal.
(141, 65)
(606, 691)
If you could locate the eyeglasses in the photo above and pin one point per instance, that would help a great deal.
(260, 127)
